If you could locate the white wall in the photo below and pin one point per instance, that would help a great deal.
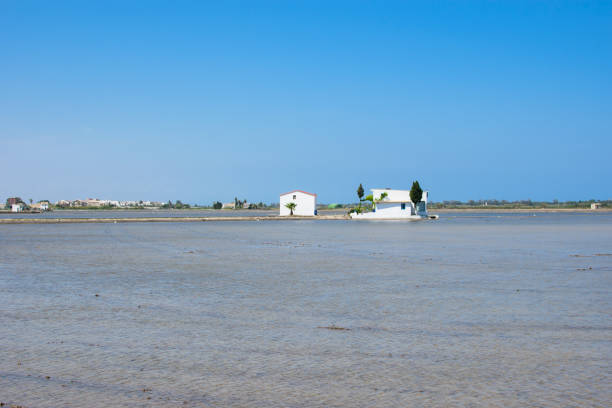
(394, 210)
(306, 204)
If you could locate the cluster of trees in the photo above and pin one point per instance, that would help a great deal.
(239, 203)
(244, 204)
(176, 205)
(15, 200)
(261, 205)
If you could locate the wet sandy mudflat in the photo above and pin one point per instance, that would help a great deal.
(497, 311)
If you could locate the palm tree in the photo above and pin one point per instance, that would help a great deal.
(371, 198)
(291, 206)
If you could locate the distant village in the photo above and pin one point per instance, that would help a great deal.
(17, 204)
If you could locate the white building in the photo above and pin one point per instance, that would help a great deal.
(42, 206)
(17, 207)
(305, 203)
(394, 204)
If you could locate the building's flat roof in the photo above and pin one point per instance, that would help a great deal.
(299, 191)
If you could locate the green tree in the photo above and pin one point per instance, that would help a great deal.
(370, 198)
(360, 192)
(360, 195)
(416, 193)
(291, 206)
(217, 205)
(13, 200)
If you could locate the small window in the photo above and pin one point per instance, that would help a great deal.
(294, 196)
(403, 206)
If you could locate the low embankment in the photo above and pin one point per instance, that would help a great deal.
(161, 219)
(519, 210)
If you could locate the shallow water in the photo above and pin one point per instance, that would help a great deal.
(464, 311)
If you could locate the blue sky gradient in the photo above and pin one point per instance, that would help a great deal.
(204, 101)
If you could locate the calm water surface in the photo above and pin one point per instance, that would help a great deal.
(496, 311)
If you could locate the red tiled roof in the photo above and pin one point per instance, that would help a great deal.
(299, 191)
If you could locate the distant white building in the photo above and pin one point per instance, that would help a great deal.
(305, 203)
(394, 204)
(19, 207)
(595, 206)
(42, 206)
(93, 202)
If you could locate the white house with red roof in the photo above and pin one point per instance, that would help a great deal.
(305, 203)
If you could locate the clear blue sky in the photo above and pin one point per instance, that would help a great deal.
(204, 101)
